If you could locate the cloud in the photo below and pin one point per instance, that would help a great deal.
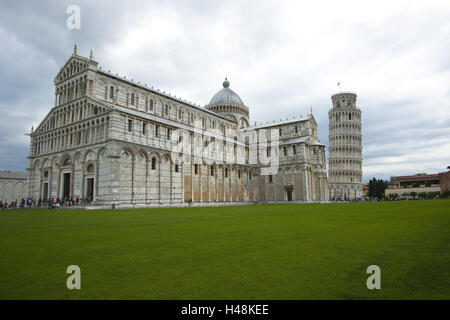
(288, 58)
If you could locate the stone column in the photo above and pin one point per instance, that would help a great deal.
(96, 169)
(200, 186)
(159, 180)
(208, 174)
(305, 184)
(182, 182)
(50, 182)
(192, 178)
(216, 193)
(72, 173)
(147, 176)
(58, 184)
(133, 163)
(83, 173)
(170, 180)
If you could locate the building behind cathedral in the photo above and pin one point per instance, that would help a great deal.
(112, 140)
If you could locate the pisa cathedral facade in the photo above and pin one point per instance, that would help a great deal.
(112, 140)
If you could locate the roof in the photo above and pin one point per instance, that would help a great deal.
(226, 97)
(313, 141)
(414, 178)
(316, 142)
(164, 94)
(343, 93)
(274, 124)
(7, 174)
(295, 140)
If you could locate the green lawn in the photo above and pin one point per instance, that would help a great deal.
(317, 251)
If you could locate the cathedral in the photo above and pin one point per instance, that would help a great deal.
(120, 143)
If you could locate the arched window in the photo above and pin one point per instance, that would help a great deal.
(153, 163)
(349, 116)
(212, 170)
(90, 168)
(111, 92)
(226, 172)
(151, 104)
(132, 98)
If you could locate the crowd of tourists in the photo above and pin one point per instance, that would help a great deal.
(50, 203)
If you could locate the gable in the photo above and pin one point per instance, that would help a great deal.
(75, 65)
(49, 122)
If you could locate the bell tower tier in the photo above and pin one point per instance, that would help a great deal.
(345, 148)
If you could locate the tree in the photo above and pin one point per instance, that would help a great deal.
(414, 194)
(377, 188)
(393, 196)
(431, 195)
(371, 188)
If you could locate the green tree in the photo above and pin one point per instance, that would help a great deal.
(371, 188)
(431, 195)
(377, 188)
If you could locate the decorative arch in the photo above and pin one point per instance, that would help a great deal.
(66, 160)
(166, 158)
(89, 155)
(127, 150)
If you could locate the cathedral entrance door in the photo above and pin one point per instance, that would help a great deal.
(289, 195)
(45, 190)
(90, 188)
(66, 185)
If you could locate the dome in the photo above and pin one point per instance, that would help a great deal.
(226, 97)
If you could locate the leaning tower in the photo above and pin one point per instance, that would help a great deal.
(345, 148)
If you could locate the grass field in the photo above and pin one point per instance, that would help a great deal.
(317, 251)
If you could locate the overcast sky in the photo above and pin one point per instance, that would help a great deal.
(281, 57)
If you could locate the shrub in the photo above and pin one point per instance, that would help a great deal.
(445, 194)
(422, 195)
